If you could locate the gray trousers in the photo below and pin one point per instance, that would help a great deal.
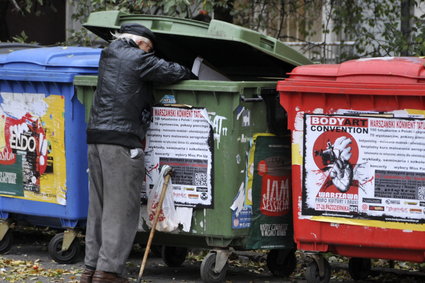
(114, 206)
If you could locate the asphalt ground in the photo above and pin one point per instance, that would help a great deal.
(28, 261)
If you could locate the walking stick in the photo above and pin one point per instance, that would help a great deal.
(155, 221)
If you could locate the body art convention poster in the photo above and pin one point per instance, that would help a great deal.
(364, 167)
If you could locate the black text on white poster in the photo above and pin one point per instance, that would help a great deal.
(364, 167)
(182, 138)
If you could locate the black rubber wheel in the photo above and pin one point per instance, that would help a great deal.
(173, 256)
(312, 274)
(68, 256)
(281, 263)
(359, 268)
(207, 270)
(7, 242)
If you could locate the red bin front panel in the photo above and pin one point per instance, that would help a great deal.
(358, 157)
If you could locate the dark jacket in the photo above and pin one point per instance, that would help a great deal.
(122, 104)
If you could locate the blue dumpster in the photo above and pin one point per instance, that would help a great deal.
(43, 151)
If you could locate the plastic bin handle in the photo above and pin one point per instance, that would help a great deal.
(257, 98)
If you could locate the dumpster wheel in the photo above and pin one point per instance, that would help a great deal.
(208, 274)
(6, 242)
(68, 256)
(359, 268)
(173, 256)
(281, 263)
(313, 274)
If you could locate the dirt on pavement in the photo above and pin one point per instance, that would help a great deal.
(28, 261)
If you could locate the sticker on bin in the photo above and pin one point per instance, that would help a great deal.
(168, 99)
(364, 167)
(182, 138)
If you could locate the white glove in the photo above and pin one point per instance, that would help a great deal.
(341, 172)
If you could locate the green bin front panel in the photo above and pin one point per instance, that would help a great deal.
(213, 226)
(230, 151)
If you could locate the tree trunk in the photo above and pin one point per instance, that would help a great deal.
(405, 23)
(4, 30)
(223, 13)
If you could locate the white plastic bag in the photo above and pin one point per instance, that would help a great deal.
(167, 220)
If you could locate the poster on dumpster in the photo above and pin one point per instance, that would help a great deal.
(271, 220)
(183, 139)
(32, 154)
(364, 167)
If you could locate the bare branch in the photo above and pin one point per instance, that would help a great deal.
(16, 5)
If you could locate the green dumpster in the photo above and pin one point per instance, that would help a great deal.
(224, 137)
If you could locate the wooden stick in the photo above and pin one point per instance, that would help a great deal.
(155, 221)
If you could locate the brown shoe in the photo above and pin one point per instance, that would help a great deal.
(86, 276)
(107, 277)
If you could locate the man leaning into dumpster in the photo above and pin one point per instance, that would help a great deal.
(120, 115)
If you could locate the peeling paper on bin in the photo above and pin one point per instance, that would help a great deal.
(239, 201)
(19, 104)
(184, 215)
(61, 200)
(298, 132)
(297, 158)
(416, 112)
(249, 174)
(297, 140)
(32, 137)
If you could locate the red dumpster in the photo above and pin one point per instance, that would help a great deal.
(358, 161)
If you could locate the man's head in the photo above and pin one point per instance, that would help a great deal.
(141, 35)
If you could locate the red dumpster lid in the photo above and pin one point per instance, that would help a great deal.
(371, 76)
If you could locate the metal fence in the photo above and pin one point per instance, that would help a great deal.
(325, 52)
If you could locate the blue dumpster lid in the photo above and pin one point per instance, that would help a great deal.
(54, 64)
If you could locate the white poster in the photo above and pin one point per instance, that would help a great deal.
(364, 167)
(183, 139)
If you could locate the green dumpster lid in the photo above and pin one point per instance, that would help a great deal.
(238, 53)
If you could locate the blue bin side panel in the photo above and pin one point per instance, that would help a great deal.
(76, 158)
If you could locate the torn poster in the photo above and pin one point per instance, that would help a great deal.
(32, 149)
(271, 224)
(184, 215)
